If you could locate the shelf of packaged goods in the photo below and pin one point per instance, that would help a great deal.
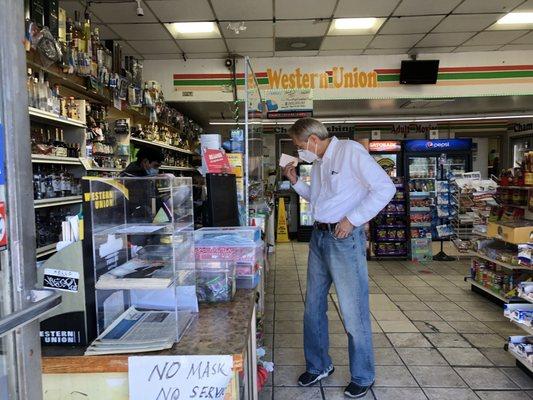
(57, 201)
(420, 224)
(419, 209)
(171, 168)
(391, 254)
(51, 117)
(392, 226)
(391, 240)
(487, 290)
(521, 359)
(526, 298)
(528, 329)
(162, 145)
(44, 159)
(46, 250)
(420, 194)
(514, 205)
(501, 263)
(392, 212)
(104, 169)
(516, 187)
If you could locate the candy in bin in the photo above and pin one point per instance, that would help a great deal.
(391, 234)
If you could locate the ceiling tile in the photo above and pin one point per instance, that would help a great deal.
(425, 7)
(299, 9)
(428, 50)
(404, 25)
(202, 45)
(121, 12)
(345, 42)
(106, 33)
(240, 45)
(487, 6)
(304, 53)
(525, 7)
(255, 29)
(259, 54)
(514, 47)
(182, 10)
(154, 46)
(163, 56)
(386, 51)
(340, 52)
(462, 49)
(445, 39)
(141, 31)
(494, 37)
(527, 39)
(227, 10)
(395, 41)
(466, 23)
(207, 55)
(365, 8)
(300, 28)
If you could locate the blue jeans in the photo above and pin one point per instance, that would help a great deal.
(343, 263)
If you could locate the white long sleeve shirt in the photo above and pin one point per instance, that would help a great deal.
(346, 182)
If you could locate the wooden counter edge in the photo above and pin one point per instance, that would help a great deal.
(102, 364)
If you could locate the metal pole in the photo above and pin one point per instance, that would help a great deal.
(246, 147)
(19, 193)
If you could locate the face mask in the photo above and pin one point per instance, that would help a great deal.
(307, 155)
(152, 171)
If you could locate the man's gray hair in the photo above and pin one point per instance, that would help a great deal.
(305, 127)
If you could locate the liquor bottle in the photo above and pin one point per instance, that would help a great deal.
(29, 83)
(87, 35)
(37, 193)
(41, 90)
(77, 34)
(56, 183)
(64, 180)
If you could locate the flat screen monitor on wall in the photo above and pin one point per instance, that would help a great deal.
(418, 72)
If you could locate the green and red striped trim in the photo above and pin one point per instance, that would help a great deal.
(215, 79)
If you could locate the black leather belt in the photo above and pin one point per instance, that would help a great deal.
(325, 227)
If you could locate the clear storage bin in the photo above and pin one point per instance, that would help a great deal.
(248, 281)
(215, 281)
(211, 249)
(252, 233)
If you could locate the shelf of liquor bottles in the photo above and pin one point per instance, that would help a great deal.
(54, 119)
(57, 160)
(176, 168)
(162, 145)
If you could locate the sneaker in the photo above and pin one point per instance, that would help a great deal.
(354, 391)
(308, 379)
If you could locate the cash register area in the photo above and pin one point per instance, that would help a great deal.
(433, 337)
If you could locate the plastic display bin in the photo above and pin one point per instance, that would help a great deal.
(215, 281)
(248, 281)
(252, 233)
(240, 253)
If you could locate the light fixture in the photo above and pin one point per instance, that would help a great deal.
(298, 45)
(354, 23)
(194, 27)
(516, 18)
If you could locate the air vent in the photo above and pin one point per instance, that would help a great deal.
(426, 103)
(298, 43)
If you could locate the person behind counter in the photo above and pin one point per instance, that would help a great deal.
(147, 163)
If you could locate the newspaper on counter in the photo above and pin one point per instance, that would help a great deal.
(137, 274)
(136, 331)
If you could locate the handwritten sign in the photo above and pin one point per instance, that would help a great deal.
(179, 377)
(67, 281)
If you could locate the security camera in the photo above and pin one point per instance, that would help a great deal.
(228, 63)
(140, 11)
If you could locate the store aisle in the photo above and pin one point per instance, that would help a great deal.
(433, 338)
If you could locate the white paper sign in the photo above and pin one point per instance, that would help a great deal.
(179, 377)
(286, 159)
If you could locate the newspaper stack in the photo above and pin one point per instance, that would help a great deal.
(136, 331)
(137, 274)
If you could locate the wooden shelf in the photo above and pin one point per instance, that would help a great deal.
(480, 286)
(46, 250)
(57, 201)
(505, 265)
(35, 113)
(171, 168)
(162, 145)
(44, 159)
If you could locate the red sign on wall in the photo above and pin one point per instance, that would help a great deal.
(385, 145)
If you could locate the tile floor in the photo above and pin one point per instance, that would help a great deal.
(434, 339)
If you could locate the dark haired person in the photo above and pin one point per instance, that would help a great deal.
(147, 163)
(348, 188)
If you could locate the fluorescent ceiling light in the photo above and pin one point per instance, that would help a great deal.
(515, 18)
(194, 27)
(354, 23)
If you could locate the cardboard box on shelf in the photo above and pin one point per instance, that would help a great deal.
(511, 232)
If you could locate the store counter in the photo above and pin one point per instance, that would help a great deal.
(220, 329)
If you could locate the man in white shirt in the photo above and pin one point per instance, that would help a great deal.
(348, 188)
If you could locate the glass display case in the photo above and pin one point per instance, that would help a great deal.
(143, 255)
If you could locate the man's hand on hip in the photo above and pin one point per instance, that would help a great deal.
(343, 228)
(290, 172)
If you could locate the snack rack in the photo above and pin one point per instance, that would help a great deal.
(139, 245)
(388, 230)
